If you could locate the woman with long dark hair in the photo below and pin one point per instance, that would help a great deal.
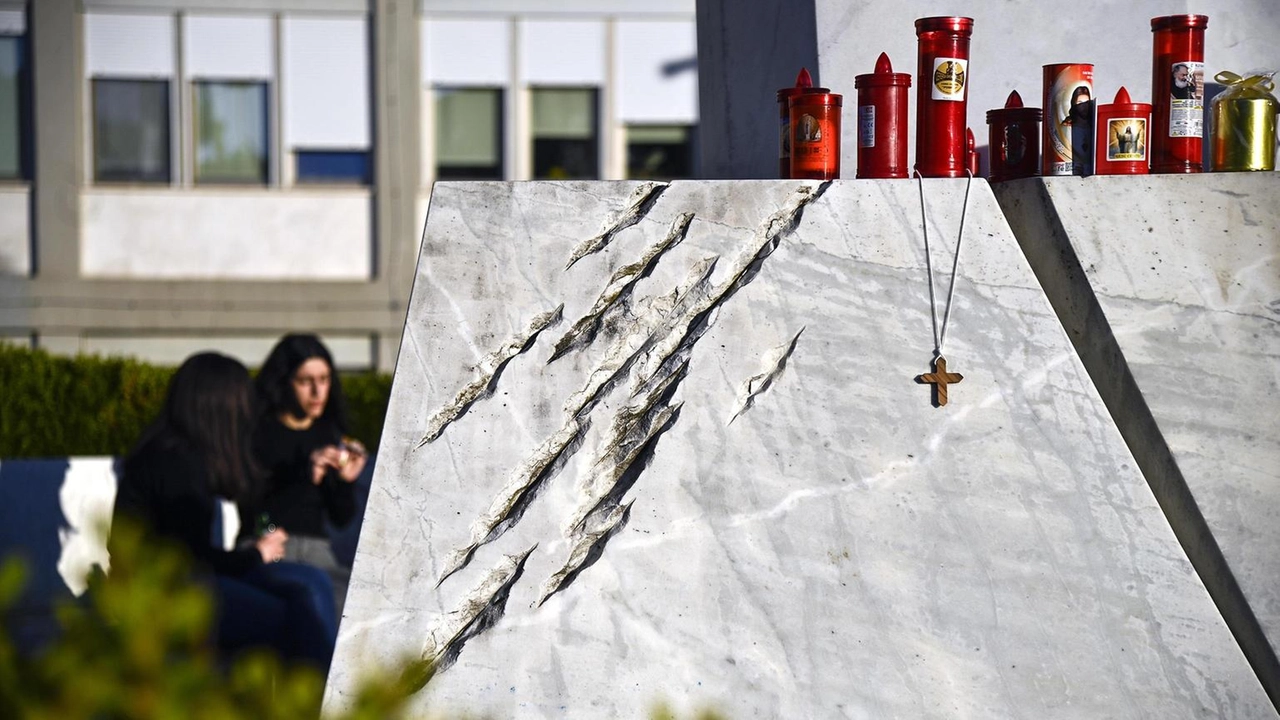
(301, 442)
(180, 483)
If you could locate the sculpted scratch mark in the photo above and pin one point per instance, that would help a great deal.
(663, 363)
(520, 490)
(775, 363)
(642, 200)
(627, 348)
(698, 317)
(586, 551)
(620, 463)
(619, 288)
(478, 612)
(489, 369)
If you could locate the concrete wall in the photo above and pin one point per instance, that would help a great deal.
(747, 49)
(15, 230)
(350, 352)
(227, 234)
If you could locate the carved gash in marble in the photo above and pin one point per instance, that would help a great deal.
(664, 443)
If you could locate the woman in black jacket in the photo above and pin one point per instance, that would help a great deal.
(180, 482)
(311, 465)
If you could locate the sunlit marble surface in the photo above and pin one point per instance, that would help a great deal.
(802, 533)
(1186, 273)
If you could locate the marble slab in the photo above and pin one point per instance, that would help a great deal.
(653, 443)
(1171, 287)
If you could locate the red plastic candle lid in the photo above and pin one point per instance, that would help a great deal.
(961, 25)
(1123, 105)
(1173, 22)
(804, 84)
(884, 76)
(817, 98)
(1013, 111)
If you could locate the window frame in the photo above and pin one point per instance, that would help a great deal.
(689, 144)
(268, 140)
(96, 175)
(306, 180)
(596, 143)
(23, 125)
(500, 169)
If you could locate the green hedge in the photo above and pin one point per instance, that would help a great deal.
(53, 406)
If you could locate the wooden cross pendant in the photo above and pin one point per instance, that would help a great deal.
(939, 379)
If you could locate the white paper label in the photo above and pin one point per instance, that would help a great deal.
(950, 77)
(866, 126)
(1186, 100)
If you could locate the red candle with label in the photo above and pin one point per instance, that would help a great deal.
(1067, 147)
(942, 84)
(815, 135)
(804, 84)
(1177, 93)
(882, 121)
(1123, 137)
(1014, 137)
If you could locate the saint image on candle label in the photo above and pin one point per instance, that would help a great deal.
(1014, 146)
(1186, 99)
(949, 77)
(809, 129)
(1127, 139)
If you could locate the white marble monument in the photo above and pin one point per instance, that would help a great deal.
(1170, 288)
(654, 443)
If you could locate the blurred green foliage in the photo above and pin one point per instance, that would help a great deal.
(54, 406)
(138, 646)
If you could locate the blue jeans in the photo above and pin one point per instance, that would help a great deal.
(285, 606)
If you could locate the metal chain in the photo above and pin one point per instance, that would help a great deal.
(940, 333)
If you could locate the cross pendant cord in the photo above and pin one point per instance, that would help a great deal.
(940, 333)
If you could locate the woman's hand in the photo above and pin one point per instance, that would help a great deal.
(348, 460)
(271, 545)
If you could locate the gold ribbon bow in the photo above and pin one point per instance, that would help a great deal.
(1259, 84)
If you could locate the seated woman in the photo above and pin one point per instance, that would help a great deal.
(177, 484)
(311, 467)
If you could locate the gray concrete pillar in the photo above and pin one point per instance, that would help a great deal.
(55, 33)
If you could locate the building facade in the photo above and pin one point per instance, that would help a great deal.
(178, 175)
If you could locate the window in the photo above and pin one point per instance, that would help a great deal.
(659, 152)
(324, 98)
(333, 166)
(231, 132)
(14, 127)
(566, 135)
(131, 130)
(469, 134)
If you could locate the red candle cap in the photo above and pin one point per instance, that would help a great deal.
(804, 85)
(968, 133)
(1173, 22)
(1013, 111)
(1124, 105)
(884, 76)
(959, 25)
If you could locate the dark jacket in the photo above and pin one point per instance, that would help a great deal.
(165, 488)
(291, 501)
